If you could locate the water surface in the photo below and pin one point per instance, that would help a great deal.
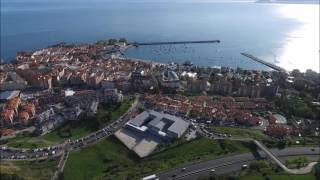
(285, 34)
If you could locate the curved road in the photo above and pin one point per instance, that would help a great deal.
(42, 153)
(225, 165)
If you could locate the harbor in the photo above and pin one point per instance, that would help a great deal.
(273, 66)
(174, 42)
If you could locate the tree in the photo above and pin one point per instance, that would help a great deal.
(298, 162)
(4, 176)
(112, 41)
(258, 165)
(281, 144)
(60, 176)
(317, 169)
(123, 40)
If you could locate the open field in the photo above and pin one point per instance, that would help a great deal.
(33, 170)
(279, 176)
(275, 176)
(74, 129)
(239, 132)
(109, 159)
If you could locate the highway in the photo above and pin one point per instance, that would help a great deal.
(228, 164)
(221, 165)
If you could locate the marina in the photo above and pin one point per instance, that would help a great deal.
(273, 66)
(174, 42)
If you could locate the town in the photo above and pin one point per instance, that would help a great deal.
(43, 90)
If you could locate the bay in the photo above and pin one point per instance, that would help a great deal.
(284, 34)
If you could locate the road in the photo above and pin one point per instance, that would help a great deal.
(233, 163)
(276, 159)
(42, 153)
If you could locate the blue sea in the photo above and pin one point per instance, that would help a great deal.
(284, 34)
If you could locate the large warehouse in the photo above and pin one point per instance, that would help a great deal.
(163, 125)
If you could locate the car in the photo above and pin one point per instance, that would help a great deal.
(244, 166)
(183, 169)
(212, 170)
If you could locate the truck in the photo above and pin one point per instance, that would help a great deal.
(151, 177)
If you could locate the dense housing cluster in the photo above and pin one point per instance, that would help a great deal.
(62, 83)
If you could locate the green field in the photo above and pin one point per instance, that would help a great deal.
(109, 159)
(70, 130)
(253, 175)
(239, 132)
(271, 172)
(75, 129)
(40, 169)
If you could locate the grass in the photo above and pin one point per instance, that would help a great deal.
(109, 159)
(74, 129)
(279, 176)
(109, 113)
(33, 170)
(239, 132)
(273, 175)
(70, 130)
(272, 172)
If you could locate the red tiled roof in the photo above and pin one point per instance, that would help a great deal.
(7, 132)
(13, 103)
(23, 116)
(7, 114)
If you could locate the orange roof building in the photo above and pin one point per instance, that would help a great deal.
(7, 132)
(30, 108)
(7, 116)
(13, 104)
(24, 117)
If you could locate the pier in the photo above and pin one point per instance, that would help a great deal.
(174, 42)
(273, 66)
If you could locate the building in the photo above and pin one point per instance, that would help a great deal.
(248, 91)
(269, 90)
(30, 109)
(12, 81)
(159, 124)
(48, 120)
(86, 100)
(107, 84)
(197, 85)
(95, 79)
(111, 96)
(13, 104)
(37, 78)
(7, 117)
(278, 119)
(142, 81)
(169, 79)
(277, 130)
(148, 129)
(221, 87)
(24, 118)
(8, 95)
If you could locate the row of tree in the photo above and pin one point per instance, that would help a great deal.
(111, 41)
